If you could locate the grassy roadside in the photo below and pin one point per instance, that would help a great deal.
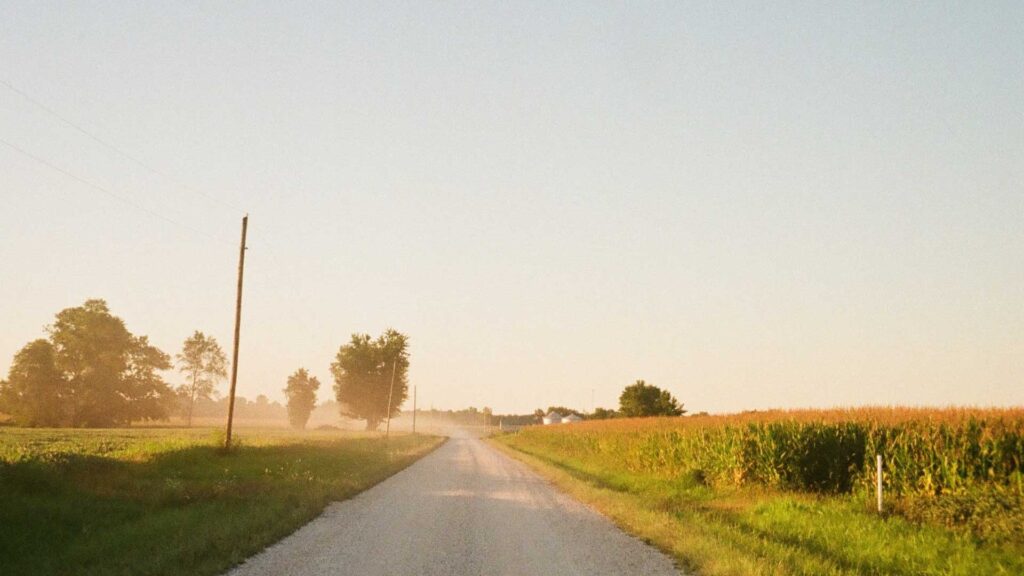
(734, 531)
(105, 502)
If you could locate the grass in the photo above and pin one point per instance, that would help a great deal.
(168, 502)
(722, 529)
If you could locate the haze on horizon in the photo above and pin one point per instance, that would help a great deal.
(807, 206)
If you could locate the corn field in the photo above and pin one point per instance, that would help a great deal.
(926, 453)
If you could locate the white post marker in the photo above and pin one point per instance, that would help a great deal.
(878, 481)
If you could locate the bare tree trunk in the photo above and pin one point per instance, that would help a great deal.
(191, 399)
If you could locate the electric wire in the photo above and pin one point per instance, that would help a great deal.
(275, 261)
(124, 199)
(117, 150)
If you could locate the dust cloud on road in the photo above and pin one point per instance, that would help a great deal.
(463, 510)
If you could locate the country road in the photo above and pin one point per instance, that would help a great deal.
(465, 509)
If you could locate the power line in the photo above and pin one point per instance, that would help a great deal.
(112, 147)
(106, 191)
(117, 150)
(276, 262)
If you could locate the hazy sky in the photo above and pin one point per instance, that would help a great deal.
(803, 205)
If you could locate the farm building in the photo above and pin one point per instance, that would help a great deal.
(557, 418)
(552, 418)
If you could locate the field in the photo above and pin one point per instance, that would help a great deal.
(168, 501)
(792, 492)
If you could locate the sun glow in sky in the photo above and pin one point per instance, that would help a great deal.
(815, 204)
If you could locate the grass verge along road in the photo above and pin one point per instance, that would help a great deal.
(166, 501)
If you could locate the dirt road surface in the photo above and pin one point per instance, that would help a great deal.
(463, 510)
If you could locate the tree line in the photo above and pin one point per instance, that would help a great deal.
(638, 400)
(90, 371)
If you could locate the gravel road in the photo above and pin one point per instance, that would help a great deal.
(465, 509)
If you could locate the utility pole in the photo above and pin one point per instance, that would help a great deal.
(414, 409)
(394, 366)
(238, 326)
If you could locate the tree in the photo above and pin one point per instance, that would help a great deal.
(564, 411)
(642, 399)
(362, 374)
(150, 398)
(603, 414)
(301, 393)
(110, 374)
(90, 372)
(204, 363)
(32, 393)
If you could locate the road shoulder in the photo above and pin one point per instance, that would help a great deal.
(625, 510)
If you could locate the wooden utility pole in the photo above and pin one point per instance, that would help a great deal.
(414, 409)
(238, 326)
(394, 366)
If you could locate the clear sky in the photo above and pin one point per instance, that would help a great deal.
(809, 204)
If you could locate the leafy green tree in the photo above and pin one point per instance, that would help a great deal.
(149, 397)
(564, 411)
(642, 399)
(603, 414)
(362, 376)
(32, 393)
(301, 393)
(204, 364)
(111, 374)
(90, 372)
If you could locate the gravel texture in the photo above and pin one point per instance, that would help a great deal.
(465, 509)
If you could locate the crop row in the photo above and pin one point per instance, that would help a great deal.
(925, 452)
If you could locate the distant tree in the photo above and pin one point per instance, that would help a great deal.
(111, 376)
(603, 414)
(563, 411)
(34, 389)
(642, 399)
(204, 364)
(90, 372)
(150, 397)
(516, 419)
(362, 376)
(301, 393)
(244, 409)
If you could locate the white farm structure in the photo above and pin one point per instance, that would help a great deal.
(556, 418)
(552, 418)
